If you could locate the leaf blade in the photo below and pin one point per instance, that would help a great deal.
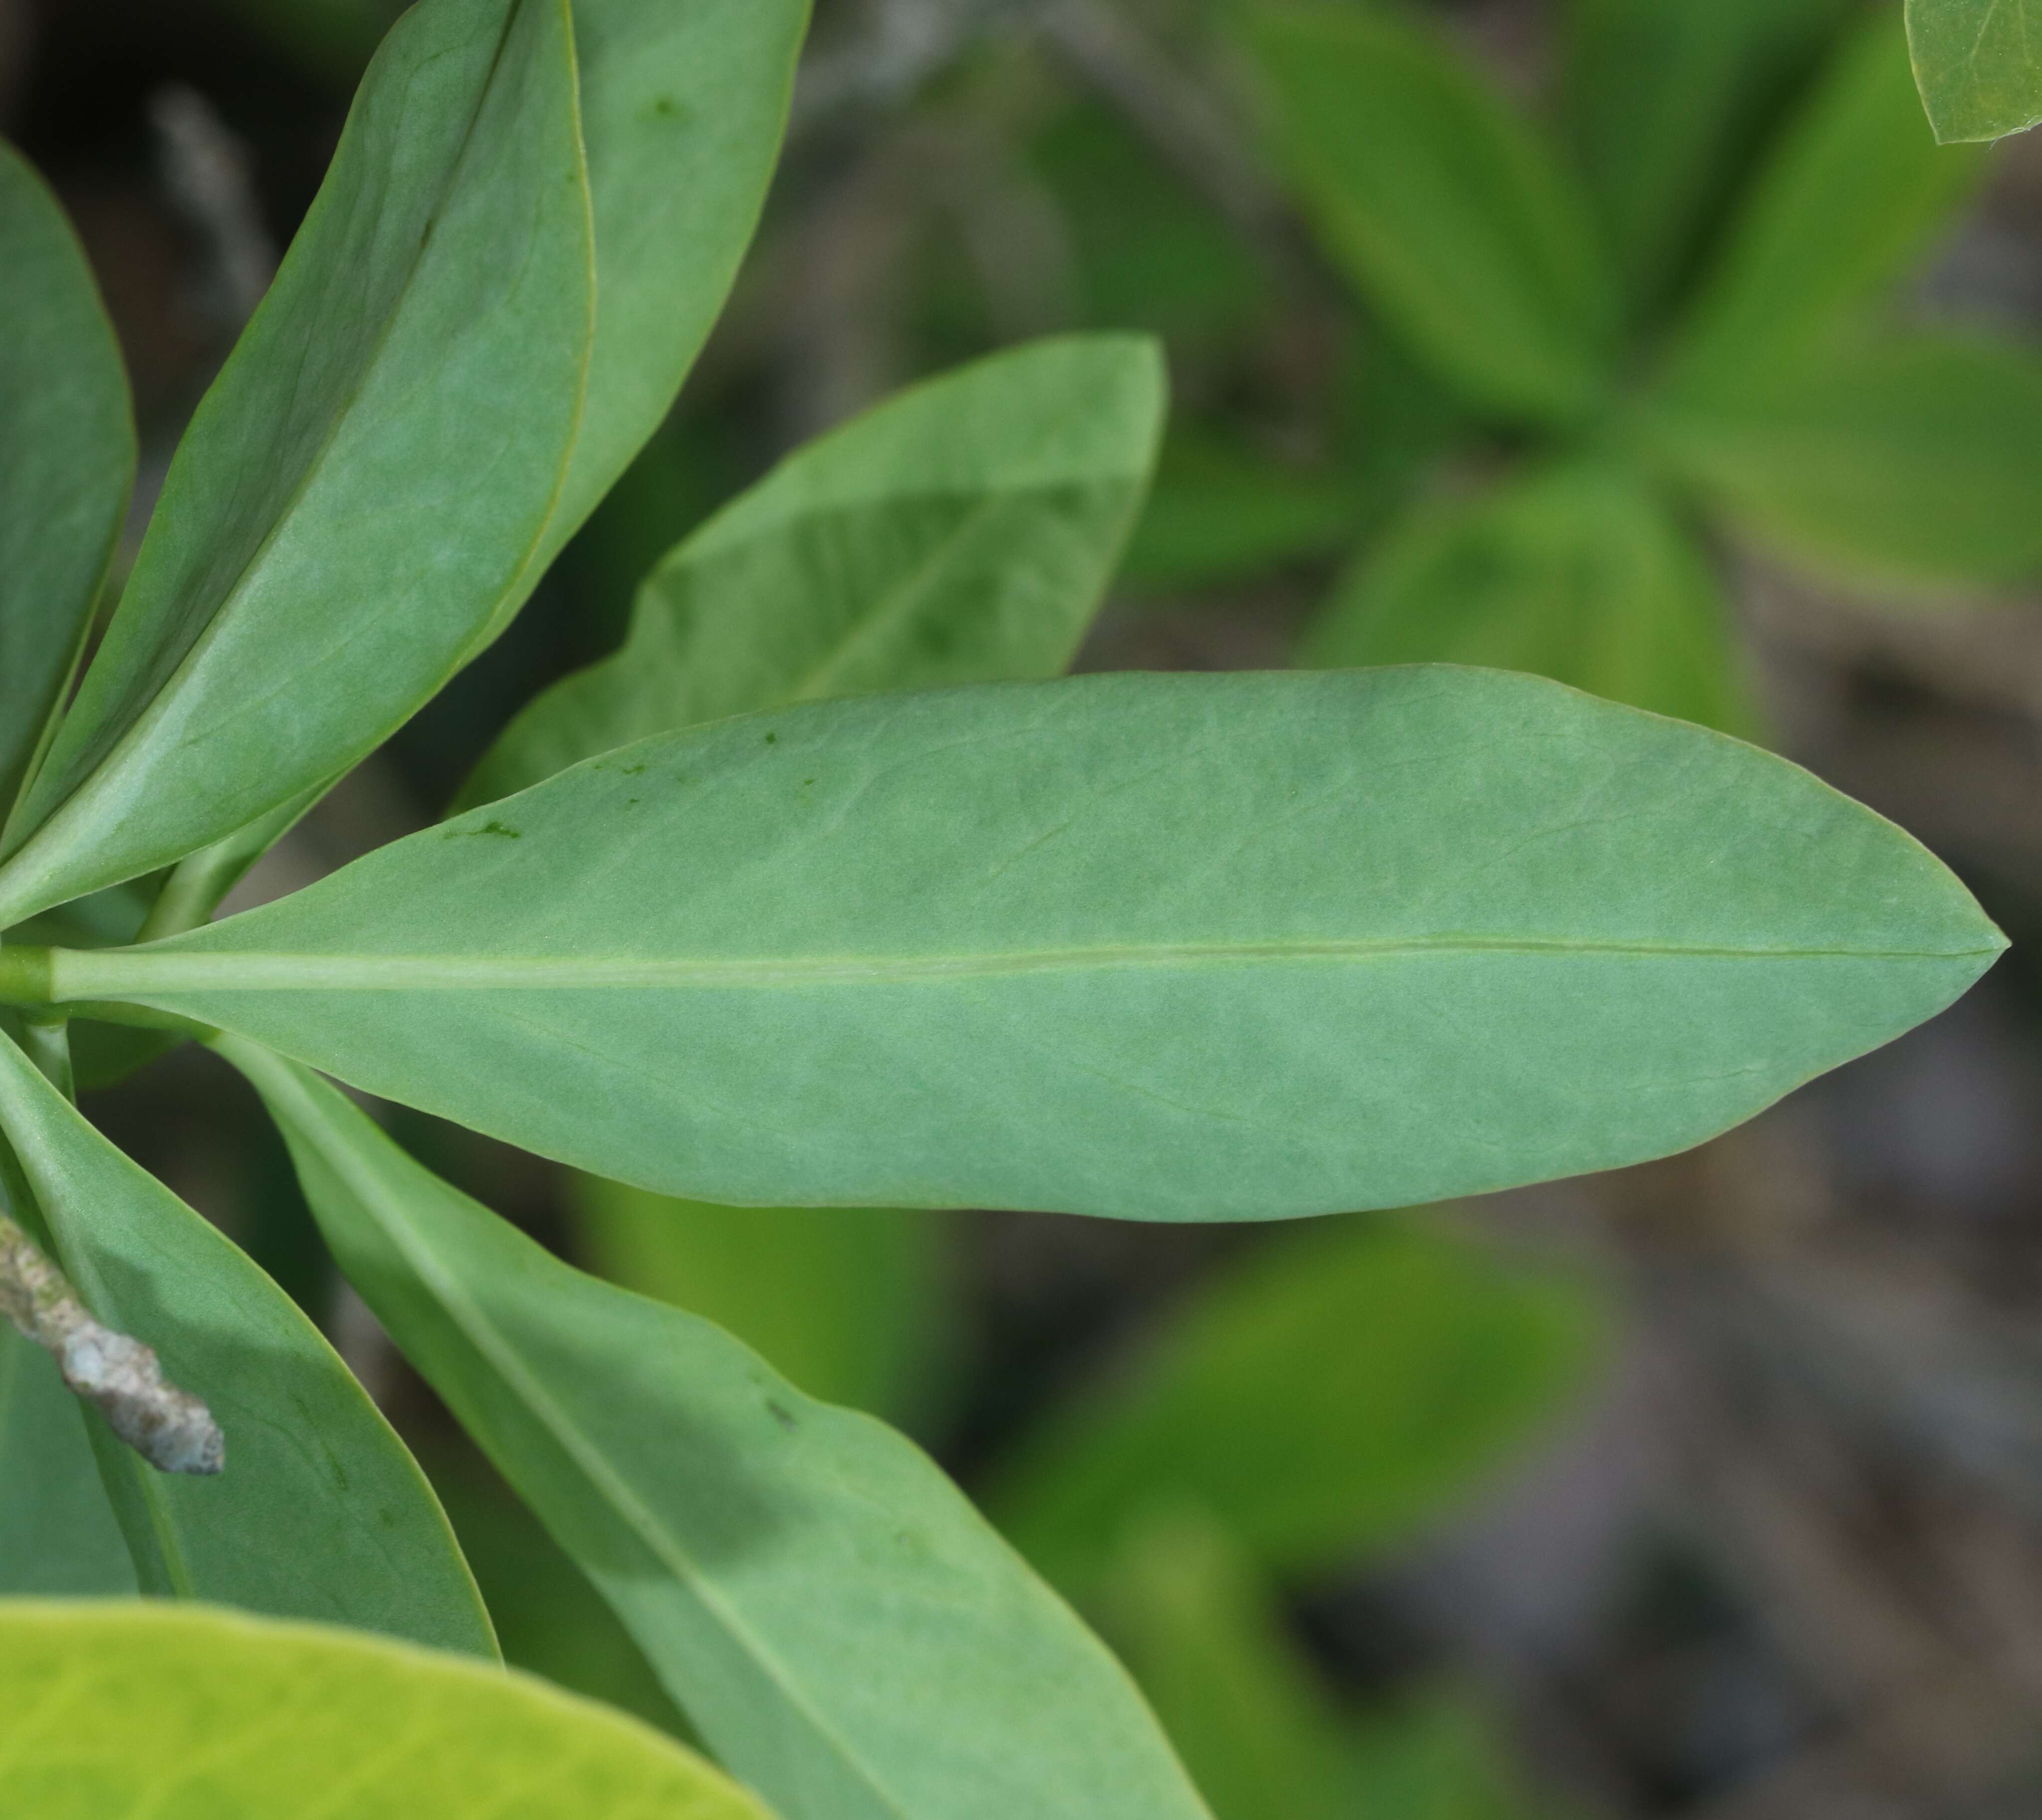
(439, 300)
(913, 933)
(1855, 192)
(1324, 1402)
(67, 461)
(122, 1708)
(760, 1552)
(962, 532)
(1905, 466)
(1576, 572)
(1444, 205)
(1979, 66)
(321, 1514)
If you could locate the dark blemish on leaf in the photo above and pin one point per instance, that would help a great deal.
(784, 1415)
(488, 827)
(772, 739)
(666, 107)
(806, 781)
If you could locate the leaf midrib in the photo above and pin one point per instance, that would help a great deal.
(79, 973)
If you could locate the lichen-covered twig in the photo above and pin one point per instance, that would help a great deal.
(169, 1428)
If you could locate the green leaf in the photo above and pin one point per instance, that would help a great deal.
(1979, 63)
(58, 1537)
(844, 1301)
(682, 110)
(1340, 1391)
(1200, 1623)
(67, 461)
(1665, 99)
(321, 1513)
(1443, 205)
(963, 531)
(176, 1711)
(1577, 571)
(1220, 514)
(1904, 465)
(361, 497)
(1847, 204)
(842, 1627)
(1164, 947)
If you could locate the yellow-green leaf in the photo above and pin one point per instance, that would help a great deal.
(122, 1711)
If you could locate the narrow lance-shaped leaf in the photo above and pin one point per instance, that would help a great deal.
(1979, 65)
(363, 493)
(1854, 192)
(963, 531)
(66, 461)
(1577, 571)
(683, 109)
(844, 1629)
(1908, 465)
(1446, 206)
(1335, 1394)
(1165, 948)
(1664, 101)
(127, 1709)
(320, 1512)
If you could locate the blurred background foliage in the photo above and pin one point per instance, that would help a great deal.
(1650, 344)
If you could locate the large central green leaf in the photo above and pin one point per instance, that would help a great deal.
(1165, 948)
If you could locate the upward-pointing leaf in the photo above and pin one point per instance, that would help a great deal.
(1855, 191)
(114, 1711)
(845, 1631)
(364, 492)
(1979, 65)
(1665, 99)
(681, 111)
(963, 531)
(1168, 947)
(320, 1512)
(1446, 206)
(66, 459)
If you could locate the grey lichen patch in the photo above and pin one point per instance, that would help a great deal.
(169, 1428)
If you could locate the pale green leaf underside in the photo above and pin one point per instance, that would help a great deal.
(125, 1711)
(364, 490)
(321, 1514)
(1979, 65)
(842, 1626)
(963, 531)
(1854, 192)
(1165, 948)
(1334, 1395)
(1446, 207)
(1910, 464)
(67, 460)
(1576, 572)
